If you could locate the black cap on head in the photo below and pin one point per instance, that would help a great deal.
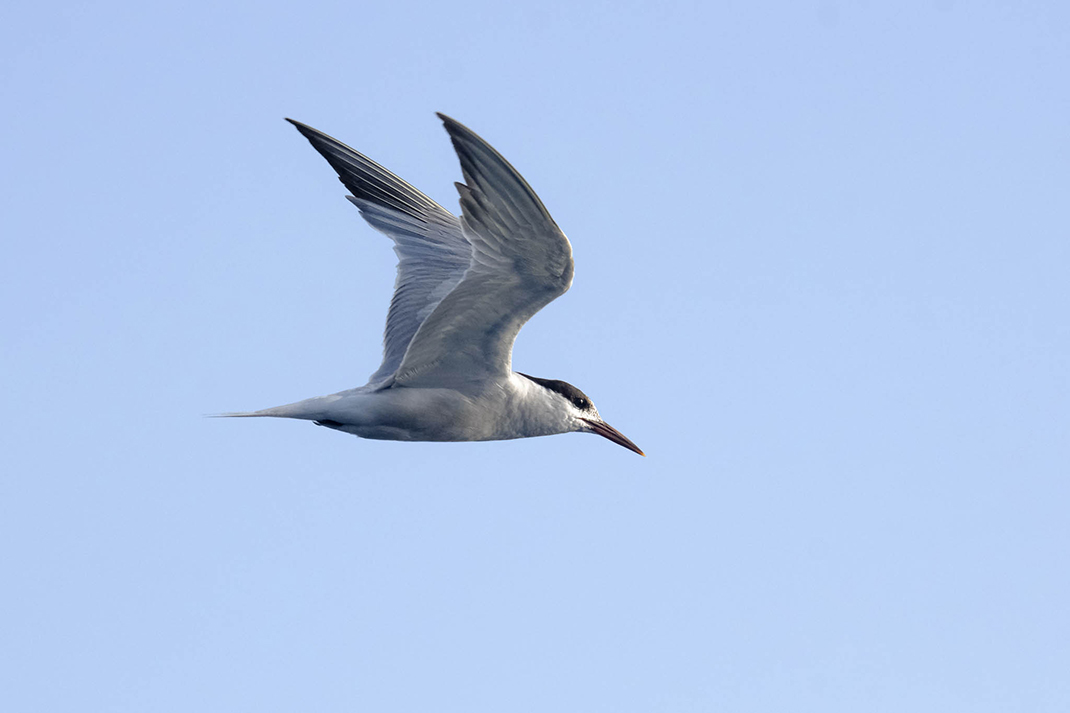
(570, 392)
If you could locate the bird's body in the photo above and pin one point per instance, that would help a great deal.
(465, 287)
(514, 407)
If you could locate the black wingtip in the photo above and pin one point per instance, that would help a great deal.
(317, 138)
(453, 126)
(305, 129)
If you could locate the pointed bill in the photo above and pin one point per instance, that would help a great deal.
(604, 429)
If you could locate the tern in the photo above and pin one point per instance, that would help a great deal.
(465, 286)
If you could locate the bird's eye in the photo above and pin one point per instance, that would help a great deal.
(581, 403)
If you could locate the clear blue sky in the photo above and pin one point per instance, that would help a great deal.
(822, 258)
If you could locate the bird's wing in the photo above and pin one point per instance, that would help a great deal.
(521, 261)
(433, 253)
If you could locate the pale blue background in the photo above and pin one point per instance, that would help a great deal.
(822, 271)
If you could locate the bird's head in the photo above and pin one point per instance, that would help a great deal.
(580, 413)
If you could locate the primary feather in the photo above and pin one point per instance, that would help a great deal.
(433, 254)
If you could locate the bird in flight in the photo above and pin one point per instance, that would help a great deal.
(465, 286)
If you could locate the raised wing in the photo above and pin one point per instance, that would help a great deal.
(521, 261)
(433, 254)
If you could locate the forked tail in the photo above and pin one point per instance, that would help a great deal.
(309, 410)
